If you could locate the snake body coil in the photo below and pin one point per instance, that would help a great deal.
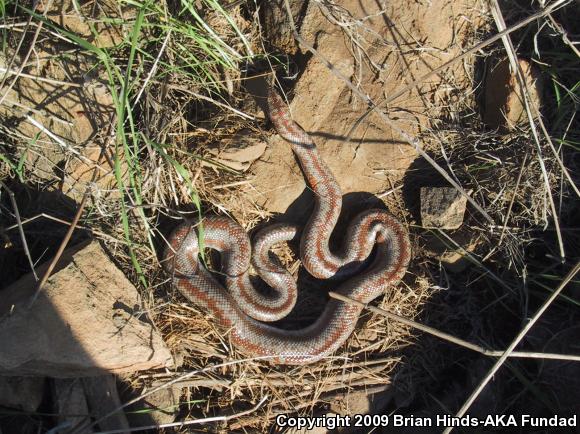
(241, 309)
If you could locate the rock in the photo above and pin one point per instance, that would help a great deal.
(89, 399)
(22, 393)
(70, 403)
(103, 398)
(86, 321)
(240, 151)
(504, 104)
(452, 254)
(158, 408)
(442, 207)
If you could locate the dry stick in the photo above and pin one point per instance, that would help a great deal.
(509, 210)
(514, 343)
(20, 228)
(153, 69)
(189, 422)
(70, 230)
(564, 35)
(325, 396)
(64, 222)
(40, 79)
(57, 139)
(405, 136)
(475, 261)
(83, 427)
(554, 151)
(62, 246)
(511, 52)
(477, 47)
(453, 339)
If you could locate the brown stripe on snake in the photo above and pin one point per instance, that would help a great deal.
(240, 308)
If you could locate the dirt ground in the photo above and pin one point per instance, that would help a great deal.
(374, 159)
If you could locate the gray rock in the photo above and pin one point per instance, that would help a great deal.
(70, 404)
(156, 409)
(81, 401)
(442, 207)
(103, 399)
(22, 393)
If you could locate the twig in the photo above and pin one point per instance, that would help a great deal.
(70, 230)
(509, 210)
(53, 136)
(475, 261)
(20, 228)
(64, 222)
(564, 35)
(83, 427)
(153, 69)
(38, 78)
(62, 246)
(455, 340)
(189, 422)
(514, 343)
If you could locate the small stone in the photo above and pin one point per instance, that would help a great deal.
(240, 151)
(453, 255)
(22, 393)
(504, 103)
(72, 329)
(457, 260)
(442, 207)
(156, 409)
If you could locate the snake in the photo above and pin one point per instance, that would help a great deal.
(373, 257)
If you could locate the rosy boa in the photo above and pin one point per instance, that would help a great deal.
(240, 309)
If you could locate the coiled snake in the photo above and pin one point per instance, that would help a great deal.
(239, 308)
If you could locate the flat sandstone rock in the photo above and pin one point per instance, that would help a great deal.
(85, 322)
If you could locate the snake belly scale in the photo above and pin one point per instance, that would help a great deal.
(242, 310)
